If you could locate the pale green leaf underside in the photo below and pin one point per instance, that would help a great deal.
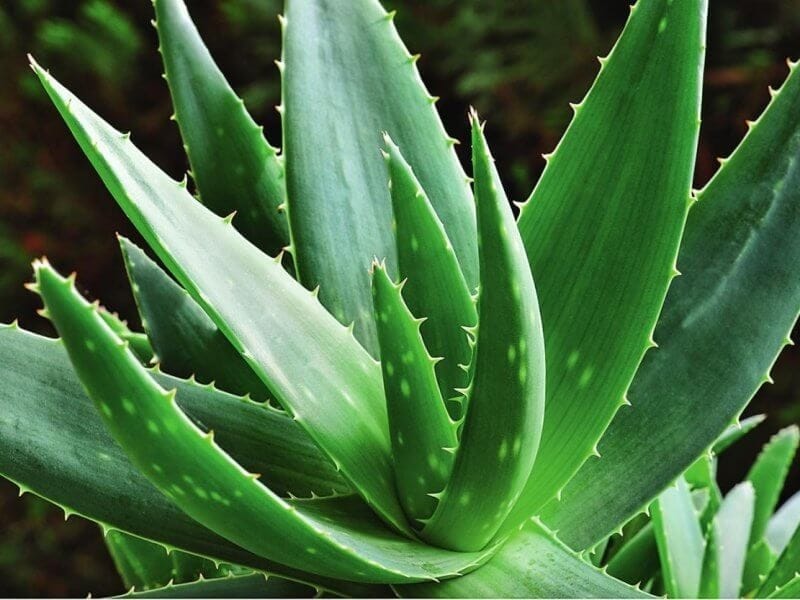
(233, 165)
(603, 226)
(40, 453)
(336, 538)
(505, 400)
(724, 323)
(346, 71)
(784, 523)
(186, 342)
(280, 328)
(533, 564)
(680, 540)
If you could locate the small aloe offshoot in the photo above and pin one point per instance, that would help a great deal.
(360, 375)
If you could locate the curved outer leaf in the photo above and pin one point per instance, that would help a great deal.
(783, 524)
(768, 474)
(724, 323)
(46, 449)
(435, 287)
(347, 72)
(786, 568)
(680, 540)
(234, 166)
(184, 463)
(234, 586)
(603, 226)
(505, 402)
(423, 436)
(185, 340)
(533, 564)
(279, 327)
(727, 544)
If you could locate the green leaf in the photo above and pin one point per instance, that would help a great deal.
(735, 432)
(768, 474)
(234, 166)
(346, 70)
(533, 564)
(603, 226)
(45, 449)
(185, 340)
(786, 567)
(293, 340)
(435, 287)
(790, 590)
(723, 325)
(234, 586)
(727, 544)
(501, 431)
(637, 560)
(760, 560)
(783, 524)
(680, 540)
(338, 538)
(144, 565)
(423, 436)
(139, 342)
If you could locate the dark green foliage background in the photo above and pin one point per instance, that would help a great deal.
(519, 62)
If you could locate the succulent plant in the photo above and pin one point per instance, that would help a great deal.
(367, 377)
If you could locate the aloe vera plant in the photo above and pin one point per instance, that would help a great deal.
(419, 394)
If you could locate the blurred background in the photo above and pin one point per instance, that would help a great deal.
(518, 61)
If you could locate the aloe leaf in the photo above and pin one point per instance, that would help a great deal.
(783, 524)
(680, 540)
(294, 340)
(336, 539)
(786, 567)
(435, 287)
(346, 70)
(735, 432)
(725, 321)
(186, 341)
(760, 560)
(603, 226)
(768, 474)
(637, 560)
(139, 342)
(233, 586)
(790, 590)
(423, 436)
(235, 169)
(145, 565)
(727, 544)
(48, 456)
(501, 431)
(533, 564)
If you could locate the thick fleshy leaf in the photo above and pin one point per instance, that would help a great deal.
(146, 565)
(423, 436)
(637, 560)
(790, 590)
(768, 474)
(760, 560)
(233, 165)
(435, 287)
(603, 226)
(341, 539)
(786, 567)
(723, 325)
(279, 327)
(185, 340)
(727, 543)
(783, 524)
(505, 400)
(234, 586)
(737, 431)
(346, 71)
(46, 450)
(680, 540)
(139, 342)
(533, 564)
